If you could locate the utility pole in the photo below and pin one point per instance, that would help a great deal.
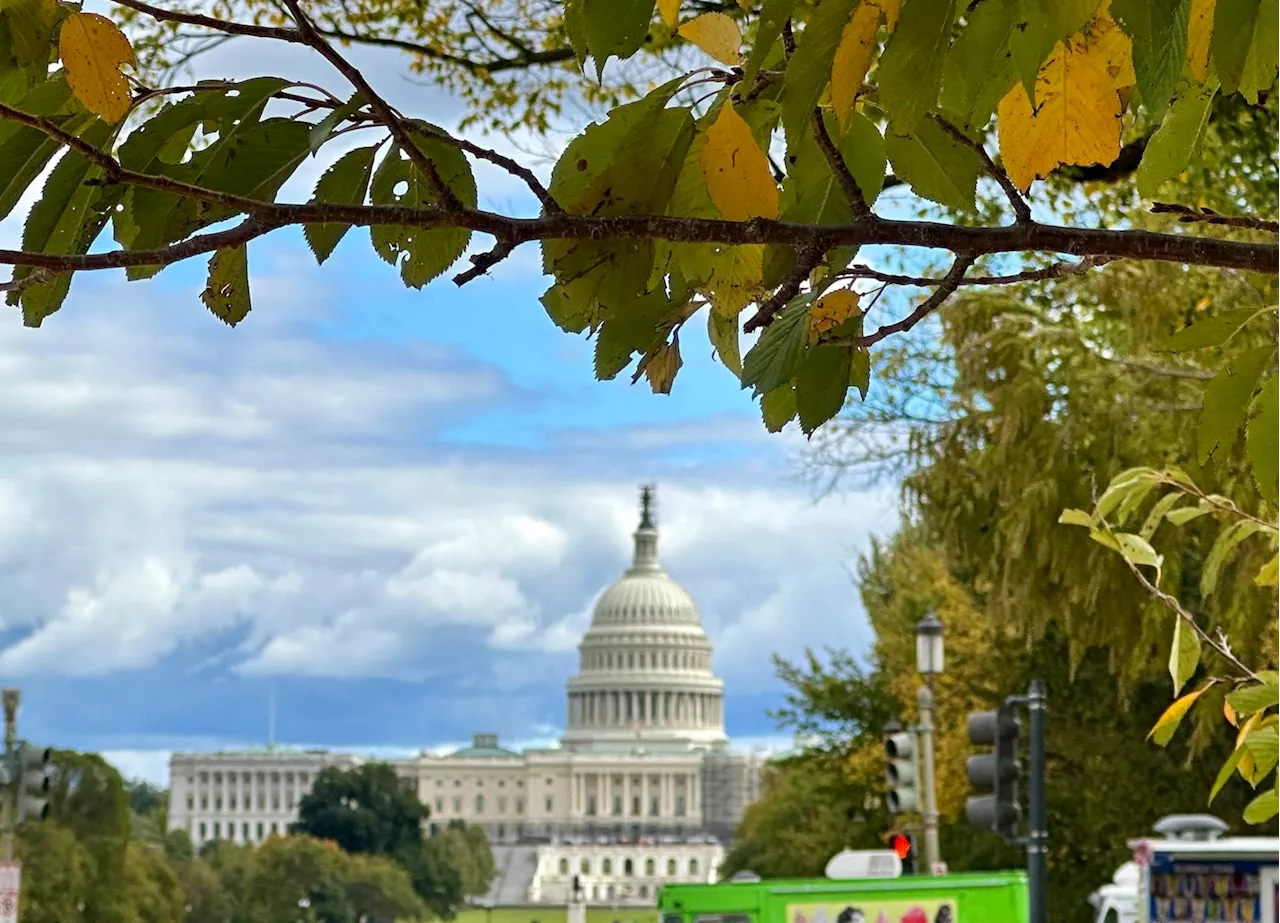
(929, 807)
(1037, 833)
(12, 792)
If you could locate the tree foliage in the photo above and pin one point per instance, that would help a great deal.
(744, 187)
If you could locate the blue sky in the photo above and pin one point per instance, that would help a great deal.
(393, 507)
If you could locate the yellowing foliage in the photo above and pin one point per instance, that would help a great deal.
(717, 35)
(1077, 116)
(670, 10)
(93, 50)
(736, 170)
(662, 367)
(853, 59)
(831, 311)
(1199, 33)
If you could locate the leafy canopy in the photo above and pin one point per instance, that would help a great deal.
(741, 188)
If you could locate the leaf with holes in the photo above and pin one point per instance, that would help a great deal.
(226, 293)
(830, 311)
(93, 50)
(615, 28)
(420, 254)
(736, 170)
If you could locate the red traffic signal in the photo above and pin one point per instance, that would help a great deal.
(902, 845)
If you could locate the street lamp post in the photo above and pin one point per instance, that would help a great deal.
(929, 663)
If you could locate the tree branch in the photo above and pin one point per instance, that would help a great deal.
(1188, 214)
(1054, 271)
(1021, 210)
(950, 282)
(209, 22)
(835, 160)
(806, 259)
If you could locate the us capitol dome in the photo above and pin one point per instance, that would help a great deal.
(644, 787)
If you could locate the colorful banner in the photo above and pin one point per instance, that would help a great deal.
(875, 911)
(1205, 892)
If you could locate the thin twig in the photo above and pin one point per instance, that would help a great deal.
(835, 160)
(1052, 271)
(218, 25)
(806, 259)
(950, 282)
(1021, 210)
(1187, 214)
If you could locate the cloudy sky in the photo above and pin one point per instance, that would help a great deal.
(394, 508)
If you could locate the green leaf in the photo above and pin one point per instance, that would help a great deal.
(822, 381)
(809, 69)
(1243, 45)
(1269, 573)
(615, 28)
(1227, 541)
(226, 293)
(1066, 17)
(1123, 488)
(1261, 440)
(1187, 513)
(1170, 148)
(778, 407)
(723, 332)
(773, 15)
(1159, 35)
(31, 25)
(421, 254)
(344, 183)
(1226, 401)
(1208, 331)
(1184, 654)
(1262, 808)
(1157, 514)
(936, 165)
(979, 69)
(1076, 518)
(910, 71)
(1168, 723)
(569, 312)
(1030, 41)
(1225, 773)
(1263, 745)
(1254, 697)
(324, 128)
(636, 327)
(67, 218)
(860, 372)
(575, 29)
(25, 152)
(773, 360)
(1138, 550)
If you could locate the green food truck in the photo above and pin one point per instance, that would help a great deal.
(868, 888)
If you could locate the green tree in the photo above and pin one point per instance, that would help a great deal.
(364, 810)
(153, 889)
(381, 891)
(299, 878)
(672, 204)
(57, 874)
(207, 901)
(468, 850)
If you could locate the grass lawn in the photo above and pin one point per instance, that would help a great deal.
(551, 913)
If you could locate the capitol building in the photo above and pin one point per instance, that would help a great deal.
(643, 788)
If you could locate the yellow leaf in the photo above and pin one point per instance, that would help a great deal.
(717, 35)
(670, 10)
(1077, 120)
(662, 367)
(1162, 733)
(736, 277)
(890, 9)
(746, 5)
(831, 311)
(93, 50)
(1230, 714)
(1199, 32)
(736, 170)
(853, 59)
(1106, 40)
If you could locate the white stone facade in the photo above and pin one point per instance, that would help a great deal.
(644, 757)
(622, 873)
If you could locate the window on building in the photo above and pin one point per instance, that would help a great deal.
(439, 782)
(653, 806)
(635, 805)
(519, 805)
(671, 866)
(457, 783)
(217, 803)
(595, 892)
(191, 802)
(457, 804)
(679, 805)
(502, 833)
(275, 802)
(606, 867)
(244, 832)
(439, 804)
(260, 830)
(617, 805)
(431, 830)
(217, 829)
(275, 827)
(262, 801)
(610, 891)
(204, 802)
(479, 804)
(693, 866)
(585, 866)
(502, 783)
(502, 804)
(231, 802)
(564, 866)
(649, 868)
(551, 804)
(591, 806)
(628, 867)
(644, 891)
(203, 830)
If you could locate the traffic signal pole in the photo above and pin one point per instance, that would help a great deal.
(929, 802)
(1037, 824)
(11, 698)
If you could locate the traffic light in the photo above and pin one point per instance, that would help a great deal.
(995, 775)
(899, 747)
(905, 846)
(30, 770)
